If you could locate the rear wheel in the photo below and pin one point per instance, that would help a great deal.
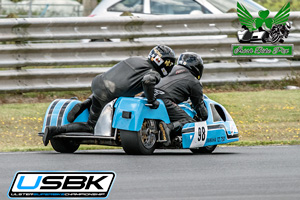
(141, 142)
(204, 150)
(64, 145)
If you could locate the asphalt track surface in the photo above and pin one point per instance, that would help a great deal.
(262, 172)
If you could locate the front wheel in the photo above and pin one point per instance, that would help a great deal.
(63, 145)
(141, 142)
(204, 150)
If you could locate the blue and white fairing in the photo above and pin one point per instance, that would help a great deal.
(219, 128)
(56, 114)
(137, 112)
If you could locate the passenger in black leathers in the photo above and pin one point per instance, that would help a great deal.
(182, 83)
(127, 78)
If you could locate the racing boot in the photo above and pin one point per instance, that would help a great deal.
(95, 112)
(78, 109)
(165, 130)
(51, 131)
(93, 118)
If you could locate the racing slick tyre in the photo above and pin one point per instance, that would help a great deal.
(141, 142)
(204, 150)
(63, 145)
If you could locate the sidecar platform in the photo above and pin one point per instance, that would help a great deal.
(75, 135)
(87, 138)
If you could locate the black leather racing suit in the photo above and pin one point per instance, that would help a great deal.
(177, 87)
(127, 78)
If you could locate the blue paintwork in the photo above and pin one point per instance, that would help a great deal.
(83, 117)
(55, 113)
(187, 108)
(139, 112)
(214, 136)
(187, 138)
(220, 135)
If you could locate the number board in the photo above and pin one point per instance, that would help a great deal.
(200, 135)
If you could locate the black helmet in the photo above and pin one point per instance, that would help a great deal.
(192, 62)
(163, 59)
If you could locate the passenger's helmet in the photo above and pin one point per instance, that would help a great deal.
(193, 62)
(163, 59)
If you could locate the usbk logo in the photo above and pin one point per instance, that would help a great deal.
(61, 185)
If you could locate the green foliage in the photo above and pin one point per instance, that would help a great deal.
(80, 1)
(259, 143)
(275, 5)
(15, 1)
(264, 115)
(12, 15)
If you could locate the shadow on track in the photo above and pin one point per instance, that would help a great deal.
(161, 152)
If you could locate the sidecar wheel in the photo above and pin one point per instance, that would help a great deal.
(64, 146)
(204, 150)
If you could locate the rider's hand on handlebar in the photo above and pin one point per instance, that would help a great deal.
(155, 105)
(198, 119)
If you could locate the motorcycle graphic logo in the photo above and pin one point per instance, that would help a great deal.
(263, 28)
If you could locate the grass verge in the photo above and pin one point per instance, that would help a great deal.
(263, 118)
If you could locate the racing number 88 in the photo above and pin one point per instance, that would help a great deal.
(201, 133)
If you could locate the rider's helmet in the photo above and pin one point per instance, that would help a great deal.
(163, 59)
(193, 62)
(288, 25)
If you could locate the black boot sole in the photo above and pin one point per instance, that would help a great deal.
(46, 136)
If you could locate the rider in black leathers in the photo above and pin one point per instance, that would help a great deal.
(182, 83)
(127, 78)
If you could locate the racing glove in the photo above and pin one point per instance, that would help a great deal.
(155, 105)
(202, 111)
(197, 118)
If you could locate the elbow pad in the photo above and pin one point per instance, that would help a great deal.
(148, 82)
